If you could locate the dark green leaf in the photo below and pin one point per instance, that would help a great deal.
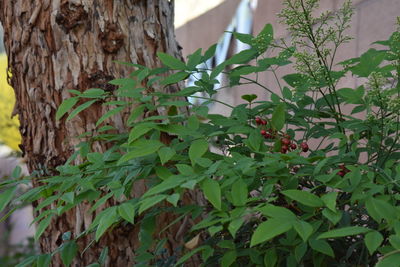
(345, 231)
(80, 108)
(6, 196)
(373, 240)
(68, 252)
(174, 78)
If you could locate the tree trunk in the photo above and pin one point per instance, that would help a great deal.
(54, 46)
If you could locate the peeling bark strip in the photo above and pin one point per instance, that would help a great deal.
(53, 46)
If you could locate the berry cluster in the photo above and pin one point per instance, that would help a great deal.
(343, 170)
(286, 143)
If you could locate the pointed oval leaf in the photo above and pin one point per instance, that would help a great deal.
(373, 240)
(268, 230)
(345, 231)
(212, 192)
(171, 61)
(66, 106)
(68, 252)
(278, 117)
(304, 197)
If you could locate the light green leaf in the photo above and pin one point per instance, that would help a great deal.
(68, 252)
(390, 260)
(212, 192)
(165, 154)
(277, 212)
(80, 108)
(345, 231)
(235, 225)
(304, 229)
(330, 200)
(239, 193)
(66, 106)
(197, 149)
(139, 131)
(304, 197)
(6, 196)
(127, 211)
(268, 230)
(173, 199)
(379, 209)
(278, 117)
(171, 61)
(373, 240)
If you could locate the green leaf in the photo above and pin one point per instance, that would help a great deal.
(193, 123)
(173, 199)
(127, 211)
(6, 196)
(93, 93)
(174, 78)
(194, 59)
(330, 200)
(235, 225)
(379, 209)
(141, 148)
(373, 240)
(277, 212)
(108, 114)
(43, 260)
(322, 246)
(244, 38)
(66, 106)
(80, 108)
(171, 61)
(333, 216)
(68, 252)
(352, 96)
(212, 192)
(239, 193)
(150, 202)
(165, 154)
(268, 230)
(345, 231)
(278, 117)
(42, 226)
(304, 229)
(171, 182)
(390, 260)
(209, 53)
(249, 98)
(27, 261)
(287, 94)
(108, 217)
(197, 149)
(103, 255)
(304, 197)
(229, 258)
(139, 131)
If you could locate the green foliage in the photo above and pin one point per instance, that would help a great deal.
(289, 181)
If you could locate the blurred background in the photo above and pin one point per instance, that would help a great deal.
(199, 24)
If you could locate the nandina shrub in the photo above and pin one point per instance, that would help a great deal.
(292, 180)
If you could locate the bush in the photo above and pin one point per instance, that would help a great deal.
(291, 181)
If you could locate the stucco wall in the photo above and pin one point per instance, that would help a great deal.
(373, 20)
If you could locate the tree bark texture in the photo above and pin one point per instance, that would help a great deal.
(54, 46)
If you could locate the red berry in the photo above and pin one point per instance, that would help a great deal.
(287, 136)
(293, 146)
(283, 150)
(264, 122)
(263, 132)
(341, 166)
(304, 147)
(285, 147)
(341, 173)
(268, 136)
(258, 120)
(285, 141)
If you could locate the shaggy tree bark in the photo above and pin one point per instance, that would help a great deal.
(54, 46)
